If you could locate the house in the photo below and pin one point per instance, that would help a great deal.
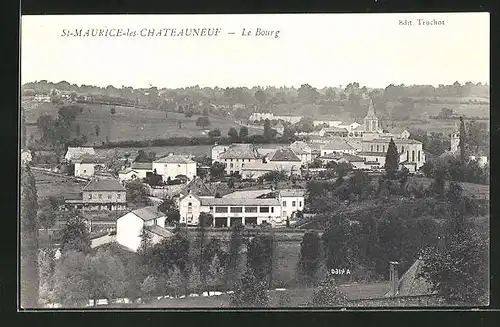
(26, 156)
(250, 209)
(197, 187)
(142, 168)
(171, 166)
(291, 201)
(128, 174)
(337, 146)
(217, 150)
(237, 156)
(86, 165)
(130, 227)
(335, 131)
(285, 159)
(356, 161)
(99, 194)
(76, 152)
(302, 150)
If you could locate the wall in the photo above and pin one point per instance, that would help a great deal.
(237, 164)
(172, 169)
(106, 197)
(289, 209)
(183, 210)
(84, 169)
(128, 231)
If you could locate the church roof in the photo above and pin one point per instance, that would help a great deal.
(371, 111)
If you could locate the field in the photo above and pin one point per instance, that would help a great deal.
(131, 123)
(48, 185)
(478, 191)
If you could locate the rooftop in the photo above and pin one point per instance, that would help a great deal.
(142, 165)
(148, 213)
(103, 184)
(249, 194)
(239, 202)
(87, 158)
(158, 230)
(334, 129)
(75, 152)
(197, 187)
(284, 154)
(241, 151)
(126, 171)
(292, 192)
(396, 140)
(300, 147)
(175, 159)
(337, 145)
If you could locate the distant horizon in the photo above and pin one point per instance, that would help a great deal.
(316, 49)
(250, 87)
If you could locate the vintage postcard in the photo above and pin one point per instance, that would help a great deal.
(269, 161)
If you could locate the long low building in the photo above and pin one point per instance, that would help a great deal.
(275, 210)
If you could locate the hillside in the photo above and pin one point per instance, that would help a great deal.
(129, 123)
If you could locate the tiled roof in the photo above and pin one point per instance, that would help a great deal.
(337, 145)
(284, 154)
(335, 129)
(241, 151)
(86, 158)
(127, 170)
(292, 192)
(177, 159)
(158, 230)
(373, 154)
(239, 202)
(142, 165)
(148, 213)
(300, 147)
(104, 185)
(75, 152)
(346, 156)
(249, 194)
(197, 187)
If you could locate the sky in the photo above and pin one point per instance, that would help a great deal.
(374, 50)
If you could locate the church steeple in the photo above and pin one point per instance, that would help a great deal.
(371, 121)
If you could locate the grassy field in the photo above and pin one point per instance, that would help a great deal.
(131, 123)
(472, 190)
(48, 185)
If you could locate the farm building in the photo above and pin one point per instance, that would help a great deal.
(173, 166)
(99, 194)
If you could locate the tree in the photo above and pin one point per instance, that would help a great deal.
(234, 256)
(206, 219)
(71, 287)
(214, 133)
(437, 185)
(461, 144)
(105, 275)
(47, 215)
(137, 192)
(29, 240)
(243, 133)
(147, 287)
(169, 208)
(328, 295)
(215, 272)
(203, 122)
(260, 257)
(97, 130)
(233, 134)
(459, 272)
(75, 234)
(307, 94)
(250, 292)
(146, 242)
(310, 257)
(175, 280)
(391, 160)
(269, 133)
(112, 110)
(142, 156)
(260, 96)
(217, 170)
(306, 124)
(194, 282)
(336, 243)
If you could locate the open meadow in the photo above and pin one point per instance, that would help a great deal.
(131, 123)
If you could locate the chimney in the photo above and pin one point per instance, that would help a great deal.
(393, 278)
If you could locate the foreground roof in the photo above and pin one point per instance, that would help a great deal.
(241, 151)
(284, 154)
(104, 185)
(158, 230)
(87, 158)
(411, 284)
(197, 187)
(239, 202)
(337, 145)
(292, 192)
(148, 213)
(74, 152)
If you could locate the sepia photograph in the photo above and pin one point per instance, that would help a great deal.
(254, 161)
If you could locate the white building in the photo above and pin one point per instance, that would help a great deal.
(86, 165)
(142, 168)
(76, 152)
(237, 156)
(217, 150)
(130, 227)
(302, 150)
(356, 161)
(247, 211)
(128, 174)
(172, 166)
(410, 151)
(337, 146)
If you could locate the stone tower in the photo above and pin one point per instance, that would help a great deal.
(455, 139)
(371, 121)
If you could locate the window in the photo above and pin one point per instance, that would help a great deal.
(383, 148)
(178, 166)
(118, 195)
(221, 209)
(413, 155)
(376, 159)
(407, 155)
(85, 171)
(272, 209)
(100, 196)
(371, 148)
(231, 159)
(377, 148)
(284, 203)
(90, 196)
(211, 209)
(236, 209)
(225, 160)
(109, 195)
(231, 166)
(300, 203)
(402, 149)
(242, 165)
(250, 209)
(293, 203)
(264, 209)
(190, 207)
(418, 155)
